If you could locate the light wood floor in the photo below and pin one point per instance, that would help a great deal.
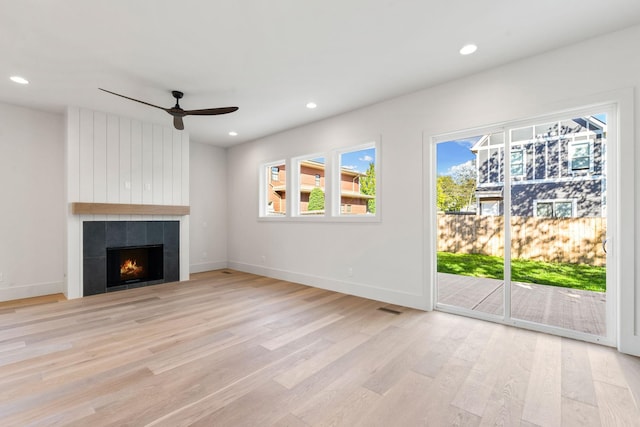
(233, 349)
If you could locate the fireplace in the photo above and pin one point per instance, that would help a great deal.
(107, 245)
(134, 264)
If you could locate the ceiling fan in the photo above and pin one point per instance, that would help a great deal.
(177, 112)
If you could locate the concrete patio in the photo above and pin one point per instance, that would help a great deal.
(582, 311)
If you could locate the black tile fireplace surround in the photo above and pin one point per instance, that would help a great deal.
(100, 235)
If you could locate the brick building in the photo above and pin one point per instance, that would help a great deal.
(312, 175)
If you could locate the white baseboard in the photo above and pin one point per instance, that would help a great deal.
(352, 288)
(32, 290)
(207, 266)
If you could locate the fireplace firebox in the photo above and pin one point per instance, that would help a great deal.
(134, 264)
(98, 236)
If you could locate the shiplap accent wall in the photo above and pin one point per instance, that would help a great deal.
(113, 159)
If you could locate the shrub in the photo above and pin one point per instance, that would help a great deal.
(316, 199)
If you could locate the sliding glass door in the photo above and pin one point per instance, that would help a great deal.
(534, 252)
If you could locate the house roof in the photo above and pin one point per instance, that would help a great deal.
(268, 58)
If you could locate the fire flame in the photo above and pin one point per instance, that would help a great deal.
(131, 268)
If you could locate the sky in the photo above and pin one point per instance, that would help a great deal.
(358, 160)
(454, 153)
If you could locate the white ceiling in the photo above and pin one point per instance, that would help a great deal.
(270, 57)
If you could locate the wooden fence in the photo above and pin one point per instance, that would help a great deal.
(573, 240)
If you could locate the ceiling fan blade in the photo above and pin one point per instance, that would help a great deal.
(210, 111)
(178, 123)
(132, 99)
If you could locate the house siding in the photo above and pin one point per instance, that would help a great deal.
(587, 195)
(547, 170)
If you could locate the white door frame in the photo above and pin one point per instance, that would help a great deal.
(613, 206)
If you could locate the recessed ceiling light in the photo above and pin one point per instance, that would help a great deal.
(311, 105)
(233, 133)
(468, 49)
(20, 80)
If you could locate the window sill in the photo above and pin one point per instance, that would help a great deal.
(323, 219)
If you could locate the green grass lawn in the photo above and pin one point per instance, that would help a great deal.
(576, 276)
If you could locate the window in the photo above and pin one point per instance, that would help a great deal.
(554, 208)
(580, 155)
(517, 162)
(311, 172)
(491, 207)
(544, 209)
(358, 181)
(273, 198)
(338, 185)
(563, 209)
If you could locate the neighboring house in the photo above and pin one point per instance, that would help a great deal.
(312, 175)
(557, 170)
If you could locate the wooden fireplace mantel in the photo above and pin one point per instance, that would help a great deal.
(78, 208)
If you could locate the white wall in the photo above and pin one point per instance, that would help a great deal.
(208, 220)
(32, 208)
(114, 159)
(388, 259)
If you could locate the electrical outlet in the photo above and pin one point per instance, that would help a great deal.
(1, 277)
(350, 271)
(264, 259)
(204, 255)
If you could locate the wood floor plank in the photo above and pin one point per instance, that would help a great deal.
(290, 420)
(304, 370)
(579, 414)
(616, 405)
(232, 349)
(631, 370)
(402, 406)
(33, 301)
(577, 379)
(475, 391)
(300, 332)
(353, 409)
(605, 366)
(506, 403)
(436, 404)
(543, 403)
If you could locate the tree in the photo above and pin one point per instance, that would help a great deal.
(316, 199)
(457, 190)
(448, 199)
(464, 175)
(368, 186)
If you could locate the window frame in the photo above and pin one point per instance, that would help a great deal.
(277, 173)
(523, 163)
(331, 186)
(265, 176)
(572, 150)
(553, 203)
(296, 185)
(337, 199)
